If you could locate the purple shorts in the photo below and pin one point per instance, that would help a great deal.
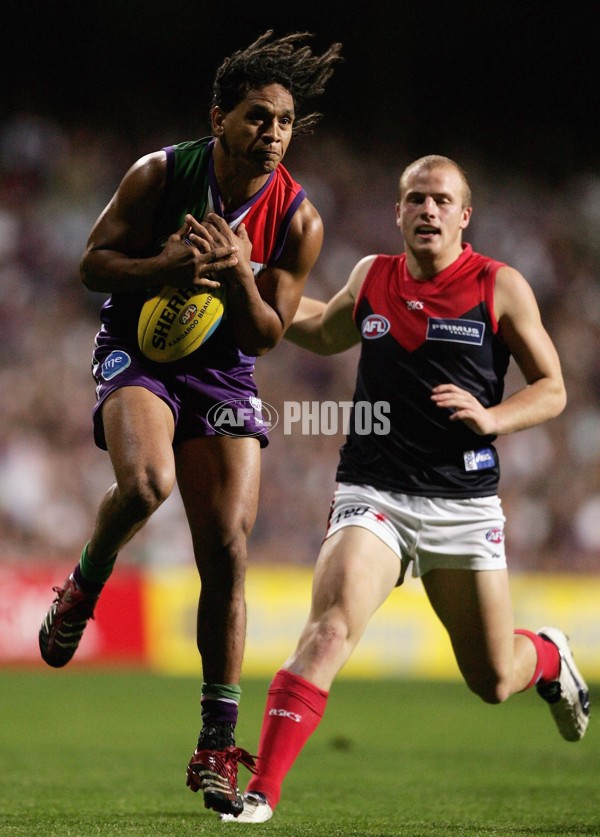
(204, 401)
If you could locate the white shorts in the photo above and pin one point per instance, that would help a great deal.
(432, 532)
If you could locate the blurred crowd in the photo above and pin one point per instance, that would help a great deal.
(54, 181)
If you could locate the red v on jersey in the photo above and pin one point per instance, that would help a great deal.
(409, 306)
(266, 216)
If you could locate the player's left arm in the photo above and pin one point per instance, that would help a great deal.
(260, 309)
(544, 396)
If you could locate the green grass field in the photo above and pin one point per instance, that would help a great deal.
(90, 753)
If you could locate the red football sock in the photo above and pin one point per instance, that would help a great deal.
(292, 713)
(548, 659)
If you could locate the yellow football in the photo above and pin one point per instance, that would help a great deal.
(178, 320)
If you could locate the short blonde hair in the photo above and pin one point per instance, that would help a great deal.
(436, 161)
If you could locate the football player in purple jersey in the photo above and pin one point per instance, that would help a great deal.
(222, 209)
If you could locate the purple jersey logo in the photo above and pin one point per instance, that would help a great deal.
(115, 363)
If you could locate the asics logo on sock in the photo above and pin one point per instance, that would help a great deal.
(283, 713)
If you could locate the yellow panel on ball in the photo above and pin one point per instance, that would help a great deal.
(178, 320)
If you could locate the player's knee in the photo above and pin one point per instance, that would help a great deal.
(142, 493)
(332, 634)
(222, 543)
(491, 689)
(222, 560)
(234, 556)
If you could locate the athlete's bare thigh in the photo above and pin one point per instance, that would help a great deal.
(139, 429)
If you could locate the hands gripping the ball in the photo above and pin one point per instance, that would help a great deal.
(196, 256)
(200, 252)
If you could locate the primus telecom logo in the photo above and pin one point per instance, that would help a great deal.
(254, 417)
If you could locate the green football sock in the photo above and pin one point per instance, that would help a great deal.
(95, 573)
(216, 691)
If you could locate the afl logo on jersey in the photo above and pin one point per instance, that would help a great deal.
(374, 326)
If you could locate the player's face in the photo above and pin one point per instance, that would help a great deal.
(431, 215)
(257, 132)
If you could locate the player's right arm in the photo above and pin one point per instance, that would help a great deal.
(116, 255)
(328, 327)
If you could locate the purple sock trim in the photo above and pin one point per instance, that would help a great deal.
(84, 585)
(219, 711)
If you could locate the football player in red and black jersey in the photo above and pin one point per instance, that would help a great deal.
(438, 325)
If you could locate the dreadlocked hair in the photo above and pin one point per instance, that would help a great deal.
(280, 61)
